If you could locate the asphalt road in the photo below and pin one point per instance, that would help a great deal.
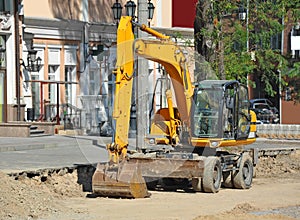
(27, 154)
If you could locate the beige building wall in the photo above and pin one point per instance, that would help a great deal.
(54, 9)
(30, 8)
(162, 13)
(99, 10)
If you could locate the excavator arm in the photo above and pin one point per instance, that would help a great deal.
(172, 58)
(122, 176)
(162, 50)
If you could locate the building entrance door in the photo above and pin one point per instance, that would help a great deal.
(36, 96)
(2, 96)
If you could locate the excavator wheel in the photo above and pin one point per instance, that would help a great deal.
(172, 184)
(151, 183)
(242, 178)
(211, 180)
(123, 180)
(197, 184)
(227, 179)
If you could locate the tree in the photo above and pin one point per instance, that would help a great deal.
(208, 34)
(248, 35)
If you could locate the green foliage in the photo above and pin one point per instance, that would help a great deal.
(293, 76)
(295, 71)
(251, 45)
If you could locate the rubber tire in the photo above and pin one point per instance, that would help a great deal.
(242, 178)
(151, 182)
(211, 180)
(197, 184)
(254, 172)
(168, 184)
(227, 179)
(172, 184)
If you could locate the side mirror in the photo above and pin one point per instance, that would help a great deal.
(229, 102)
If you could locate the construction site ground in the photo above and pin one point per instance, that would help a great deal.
(57, 190)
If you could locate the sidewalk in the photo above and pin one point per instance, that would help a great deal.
(45, 152)
(44, 142)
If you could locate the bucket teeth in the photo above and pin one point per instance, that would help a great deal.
(124, 180)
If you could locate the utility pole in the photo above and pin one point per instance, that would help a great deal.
(142, 83)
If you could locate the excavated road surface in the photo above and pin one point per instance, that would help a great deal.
(63, 193)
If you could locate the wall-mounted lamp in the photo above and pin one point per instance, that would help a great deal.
(95, 50)
(33, 63)
(242, 13)
(288, 94)
(2, 56)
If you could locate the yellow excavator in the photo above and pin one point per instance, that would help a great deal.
(185, 146)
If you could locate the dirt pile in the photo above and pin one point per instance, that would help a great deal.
(33, 197)
(19, 200)
(279, 166)
(243, 212)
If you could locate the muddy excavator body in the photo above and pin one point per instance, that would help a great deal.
(122, 180)
(185, 135)
(127, 179)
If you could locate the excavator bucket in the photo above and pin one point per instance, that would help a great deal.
(123, 180)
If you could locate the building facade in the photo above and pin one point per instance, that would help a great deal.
(7, 58)
(75, 44)
(75, 41)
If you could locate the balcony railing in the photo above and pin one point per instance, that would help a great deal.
(70, 116)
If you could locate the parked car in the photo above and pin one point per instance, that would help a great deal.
(265, 111)
(264, 101)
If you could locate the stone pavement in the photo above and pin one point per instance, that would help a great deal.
(33, 153)
(51, 141)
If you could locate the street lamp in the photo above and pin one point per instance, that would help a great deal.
(33, 63)
(150, 10)
(117, 10)
(130, 8)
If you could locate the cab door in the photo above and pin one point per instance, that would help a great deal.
(243, 113)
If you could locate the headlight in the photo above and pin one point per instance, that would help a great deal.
(214, 144)
(151, 141)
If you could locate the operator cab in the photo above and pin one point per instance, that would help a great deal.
(221, 110)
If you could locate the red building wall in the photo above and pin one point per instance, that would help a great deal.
(290, 113)
(184, 12)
